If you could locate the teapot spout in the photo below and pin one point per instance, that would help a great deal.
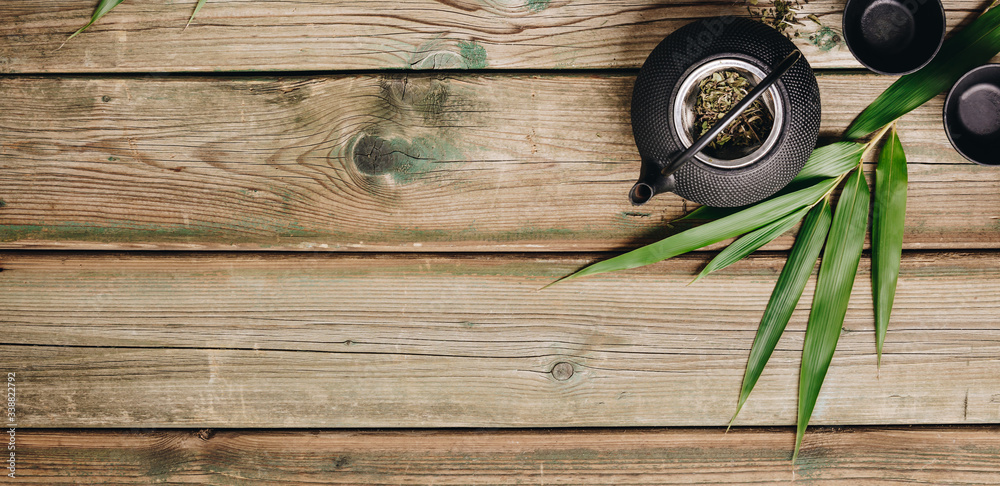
(651, 182)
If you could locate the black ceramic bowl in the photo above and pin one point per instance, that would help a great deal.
(663, 121)
(972, 115)
(894, 36)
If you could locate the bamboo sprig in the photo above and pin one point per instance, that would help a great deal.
(105, 6)
(840, 229)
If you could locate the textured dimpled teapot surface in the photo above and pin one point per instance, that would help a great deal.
(658, 139)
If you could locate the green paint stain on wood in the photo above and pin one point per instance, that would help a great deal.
(825, 38)
(412, 137)
(473, 55)
(270, 232)
(430, 97)
(433, 103)
(538, 5)
(131, 232)
(403, 160)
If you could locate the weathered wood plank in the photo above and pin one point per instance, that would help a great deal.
(524, 162)
(251, 35)
(918, 455)
(300, 340)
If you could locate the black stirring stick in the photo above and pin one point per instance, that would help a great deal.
(781, 68)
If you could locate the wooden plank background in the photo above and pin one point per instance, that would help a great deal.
(376, 163)
(936, 455)
(283, 35)
(273, 340)
(283, 217)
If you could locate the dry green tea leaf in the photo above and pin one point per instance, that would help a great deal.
(779, 14)
(718, 94)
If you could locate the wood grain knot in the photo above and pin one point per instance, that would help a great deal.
(423, 96)
(441, 54)
(399, 160)
(562, 371)
(374, 156)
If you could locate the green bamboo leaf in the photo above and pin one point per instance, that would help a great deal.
(887, 232)
(197, 7)
(826, 161)
(972, 46)
(786, 294)
(751, 242)
(833, 291)
(831, 161)
(746, 220)
(708, 213)
(103, 7)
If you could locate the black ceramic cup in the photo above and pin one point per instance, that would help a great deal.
(894, 36)
(972, 115)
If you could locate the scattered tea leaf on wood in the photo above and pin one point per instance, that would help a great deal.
(833, 292)
(718, 94)
(779, 14)
(786, 294)
(887, 232)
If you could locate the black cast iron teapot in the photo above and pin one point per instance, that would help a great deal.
(663, 119)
